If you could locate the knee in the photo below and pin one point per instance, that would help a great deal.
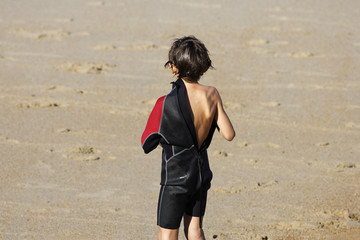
(167, 234)
(195, 234)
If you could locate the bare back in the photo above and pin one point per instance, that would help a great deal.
(203, 106)
(206, 106)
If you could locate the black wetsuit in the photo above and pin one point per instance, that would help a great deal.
(185, 171)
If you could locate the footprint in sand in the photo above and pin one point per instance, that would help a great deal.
(64, 130)
(346, 165)
(9, 140)
(249, 161)
(86, 68)
(267, 184)
(301, 54)
(244, 144)
(57, 34)
(322, 144)
(65, 89)
(104, 47)
(83, 153)
(144, 46)
(354, 217)
(258, 50)
(338, 218)
(85, 150)
(221, 153)
(273, 145)
(230, 190)
(271, 104)
(39, 104)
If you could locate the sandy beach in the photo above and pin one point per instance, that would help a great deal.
(78, 80)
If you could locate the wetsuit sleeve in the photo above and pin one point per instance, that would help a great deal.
(151, 136)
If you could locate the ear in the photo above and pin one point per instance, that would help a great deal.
(174, 69)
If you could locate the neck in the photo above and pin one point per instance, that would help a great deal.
(186, 81)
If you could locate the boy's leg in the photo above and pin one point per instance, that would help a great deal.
(192, 228)
(171, 207)
(168, 234)
(193, 216)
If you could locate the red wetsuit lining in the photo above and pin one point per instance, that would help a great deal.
(153, 124)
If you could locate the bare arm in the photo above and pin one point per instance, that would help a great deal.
(223, 121)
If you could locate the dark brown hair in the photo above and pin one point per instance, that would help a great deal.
(190, 57)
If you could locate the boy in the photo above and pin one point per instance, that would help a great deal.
(183, 123)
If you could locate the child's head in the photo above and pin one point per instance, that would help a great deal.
(190, 56)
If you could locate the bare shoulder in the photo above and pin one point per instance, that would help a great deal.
(212, 93)
(211, 89)
(203, 93)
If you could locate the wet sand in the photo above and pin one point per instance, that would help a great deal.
(79, 78)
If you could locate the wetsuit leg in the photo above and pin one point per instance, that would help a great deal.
(197, 204)
(174, 201)
(171, 207)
